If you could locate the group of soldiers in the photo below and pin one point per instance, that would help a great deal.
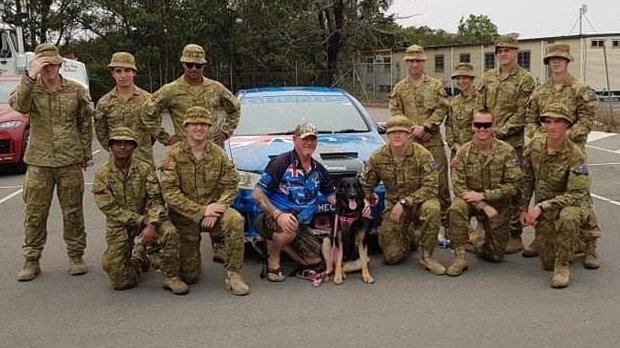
(155, 219)
(494, 173)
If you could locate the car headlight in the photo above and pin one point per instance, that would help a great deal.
(247, 180)
(10, 124)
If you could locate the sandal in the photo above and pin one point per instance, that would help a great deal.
(275, 275)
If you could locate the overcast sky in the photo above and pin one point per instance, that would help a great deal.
(529, 18)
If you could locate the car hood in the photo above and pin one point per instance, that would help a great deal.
(334, 151)
(8, 114)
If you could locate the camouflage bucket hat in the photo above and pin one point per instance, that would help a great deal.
(557, 111)
(123, 60)
(193, 53)
(506, 41)
(122, 133)
(398, 123)
(464, 69)
(306, 129)
(198, 114)
(414, 52)
(558, 50)
(49, 51)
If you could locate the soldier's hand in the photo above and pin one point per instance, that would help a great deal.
(426, 137)
(490, 212)
(214, 210)
(219, 137)
(418, 132)
(533, 215)
(397, 212)
(174, 139)
(367, 211)
(523, 218)
(208, 222)
(37, 65)
(148, 235)
(472, 196)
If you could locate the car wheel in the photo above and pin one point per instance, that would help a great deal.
(21, 167)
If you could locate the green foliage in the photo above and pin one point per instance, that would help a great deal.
(477, 30)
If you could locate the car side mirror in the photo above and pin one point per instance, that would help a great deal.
(381, 127)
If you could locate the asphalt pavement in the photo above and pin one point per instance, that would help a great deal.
(509, 304)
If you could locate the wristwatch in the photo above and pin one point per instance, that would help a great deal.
(403, 202)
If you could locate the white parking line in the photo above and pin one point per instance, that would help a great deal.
(615, 152)
(605, 199)
(603, 164)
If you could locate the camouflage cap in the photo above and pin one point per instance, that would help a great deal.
(123, 60)
(122, 133)
(398, 123)
(464, 69)
(198, 114)
(193, 53)
(558, 50)
(306, 129)
(414, 52)
(557, 110)
(506, 41)
(49, 51)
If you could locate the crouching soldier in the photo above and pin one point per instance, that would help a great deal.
(555, 170)
(410, 176)
(486, 174)
(129, 195)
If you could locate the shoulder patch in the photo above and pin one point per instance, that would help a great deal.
(582, 169)
(515, 161)
(591, 94)
(432, 165)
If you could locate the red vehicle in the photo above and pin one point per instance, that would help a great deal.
(14, 128)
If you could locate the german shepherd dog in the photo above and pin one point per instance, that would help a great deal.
(351, 231)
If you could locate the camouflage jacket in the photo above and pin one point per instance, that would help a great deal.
(426, 105)
(112, 112)
(189, 184)
(497, 175)
(178, 96)
(415, 178)
(506, 98)
(458, 122)
(124, 198)
(61, 125)
(577, 97)
(559, 179)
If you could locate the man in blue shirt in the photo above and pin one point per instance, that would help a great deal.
(286, 193)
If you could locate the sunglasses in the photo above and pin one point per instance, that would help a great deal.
(193, 65)
(483, 125)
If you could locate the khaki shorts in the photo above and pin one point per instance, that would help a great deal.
(305, 244)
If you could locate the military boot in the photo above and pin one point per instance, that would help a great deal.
(431, 264)
(219, 253)
(476, 237)
(176, 285)
(77, 266)
(234, 282)
(139, 258)
(530, 250)
(591, 261)
(561, 275)
(459, 264)
(29, 271)
(514, 245)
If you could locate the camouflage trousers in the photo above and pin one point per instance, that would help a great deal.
(395, 239)
(439, 155)
(516, 230)
(556, 234)
(116, 260)
(305, 244)
(229, 227)
(497, 230)
(38, 191)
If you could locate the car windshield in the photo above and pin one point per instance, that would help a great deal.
(280, 115)
(6, 87)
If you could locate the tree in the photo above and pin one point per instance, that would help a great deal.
(477, 30)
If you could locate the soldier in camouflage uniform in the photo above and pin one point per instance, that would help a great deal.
(193, 89)
(121, 107)
(59, 149)
(199, 184)
(555, 170)
(486, 175)
(579, 100)
(409, 174)
(422, 99)
(128, 193)
(504, 92)
(458, 122)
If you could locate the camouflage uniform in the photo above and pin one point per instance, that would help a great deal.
(458, 121)
(124, 197)
(189, 185)
(411, 182)
(506, 98)
(112, 112)
(60, 144)
(426, 105)
(178, 96)
(498, 176)
(560, 182)
(579, 101)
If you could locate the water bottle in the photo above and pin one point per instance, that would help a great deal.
(444, 243)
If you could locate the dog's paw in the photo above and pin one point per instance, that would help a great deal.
(368, 279)
(338, 280)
